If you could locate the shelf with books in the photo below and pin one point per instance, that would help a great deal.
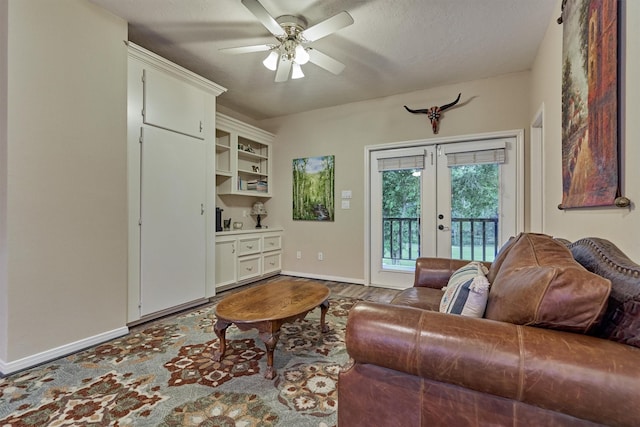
(248, 150)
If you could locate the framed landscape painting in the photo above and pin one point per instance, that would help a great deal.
(590, 169)
(314, 188)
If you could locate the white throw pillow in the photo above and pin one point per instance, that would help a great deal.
(467, 291)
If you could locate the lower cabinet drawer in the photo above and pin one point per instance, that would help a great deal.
(272, 262)
(272, 243)
(249, 266)
(249, 245)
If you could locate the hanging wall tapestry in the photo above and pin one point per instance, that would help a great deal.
(590, 164)
(313, 188)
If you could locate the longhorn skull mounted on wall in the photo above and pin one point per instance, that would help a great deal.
(433, 113)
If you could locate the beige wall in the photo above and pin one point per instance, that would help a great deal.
(3, 180)
(66, 176)
(622, 226)
(488, 105)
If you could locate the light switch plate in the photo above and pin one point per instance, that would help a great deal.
(346, 194)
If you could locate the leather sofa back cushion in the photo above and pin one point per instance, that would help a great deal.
(539, 283)
(497, 262)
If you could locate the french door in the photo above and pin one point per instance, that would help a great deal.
(457, 200)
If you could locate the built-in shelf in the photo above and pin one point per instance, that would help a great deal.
(243, 158)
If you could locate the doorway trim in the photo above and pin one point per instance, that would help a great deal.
(536, 173)
(518, 134)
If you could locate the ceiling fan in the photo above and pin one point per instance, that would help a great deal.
(292, 50)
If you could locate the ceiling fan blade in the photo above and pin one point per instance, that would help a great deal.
(325, 61)
(246, 49)
(263, 16)
(284, 69)
(328, 26)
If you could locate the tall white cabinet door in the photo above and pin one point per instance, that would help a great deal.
(172, 104)
(172, 241)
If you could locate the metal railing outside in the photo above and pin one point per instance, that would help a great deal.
(471, 238)
(401, 239)
(472, 235)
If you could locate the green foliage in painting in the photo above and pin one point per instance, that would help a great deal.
(314, 188)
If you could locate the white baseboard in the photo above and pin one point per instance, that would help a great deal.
(7, 368)
(323, 277)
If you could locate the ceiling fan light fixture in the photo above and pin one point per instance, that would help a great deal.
(302, 56)
(293, 34)
(271, 61)
(296, 71)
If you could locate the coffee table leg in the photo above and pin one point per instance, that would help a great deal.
(220, 329)
(270, 340)
(324, 307)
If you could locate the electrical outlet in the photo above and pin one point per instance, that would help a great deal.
(320, 256)
(298, 255)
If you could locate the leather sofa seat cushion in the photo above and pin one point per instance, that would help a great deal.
(539, 283)
(419, 297)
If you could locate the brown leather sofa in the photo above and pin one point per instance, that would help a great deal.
(414, 366)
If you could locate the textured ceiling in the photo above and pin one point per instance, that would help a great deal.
(393, 47)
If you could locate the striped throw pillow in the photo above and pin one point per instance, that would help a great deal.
(467, 291)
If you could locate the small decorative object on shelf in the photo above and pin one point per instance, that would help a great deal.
(258, 209)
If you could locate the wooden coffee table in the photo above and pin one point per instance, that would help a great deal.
(266, 308)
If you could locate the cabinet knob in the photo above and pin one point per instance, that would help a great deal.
(249, 268)
(250, 246)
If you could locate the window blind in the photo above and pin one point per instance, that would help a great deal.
(399, 163)
(476, 157)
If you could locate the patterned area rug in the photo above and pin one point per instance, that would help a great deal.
(163, 374)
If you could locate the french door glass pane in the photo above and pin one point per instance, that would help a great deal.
(400, 218)
(474, 211)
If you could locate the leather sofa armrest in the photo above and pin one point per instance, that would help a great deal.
(583, 376)
(435, 272)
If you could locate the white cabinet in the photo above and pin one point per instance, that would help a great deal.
(173, 104)
(243, 158)
(226, 260)
(172, 221)
(171, 191)
(247, 256)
